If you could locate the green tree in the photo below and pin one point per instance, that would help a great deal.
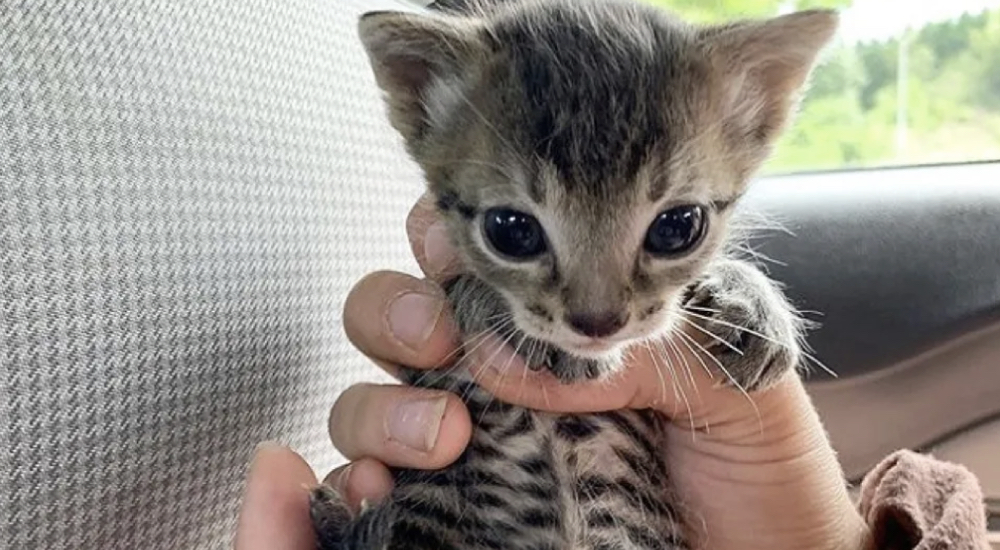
(713, 11)
(850, 115)
(982, 60)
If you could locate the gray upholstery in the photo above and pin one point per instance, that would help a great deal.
(187, 191)
(915, 263)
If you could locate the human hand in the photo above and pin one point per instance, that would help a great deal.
(275, 514)
(762, 462)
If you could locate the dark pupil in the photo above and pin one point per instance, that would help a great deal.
(674, 231)
(514, 233)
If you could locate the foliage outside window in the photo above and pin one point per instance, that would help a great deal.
(926, 93)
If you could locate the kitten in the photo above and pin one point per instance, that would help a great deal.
(586, 157)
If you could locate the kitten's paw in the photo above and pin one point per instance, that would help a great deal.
(754, 331)
(331, 517)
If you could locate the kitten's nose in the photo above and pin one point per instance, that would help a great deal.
(597, 324)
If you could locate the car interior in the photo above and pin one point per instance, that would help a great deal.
(188, 191)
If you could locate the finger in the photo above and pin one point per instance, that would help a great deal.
(398, 319)
(400, 426)
(365, 479)
(675, 376)
(275, 512)
(429, 241)
(497, 368)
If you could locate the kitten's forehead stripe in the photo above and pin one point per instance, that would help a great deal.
(593, 102)
(657, 188)
(536, 190)
(450, 201)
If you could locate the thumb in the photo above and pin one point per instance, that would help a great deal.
(275, 513)
(676, 375)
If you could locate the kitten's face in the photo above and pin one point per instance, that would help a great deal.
(586, 155)
(590, 274)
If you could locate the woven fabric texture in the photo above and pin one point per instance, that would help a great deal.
(187, 192)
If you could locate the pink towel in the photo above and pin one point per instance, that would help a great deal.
(916, 502)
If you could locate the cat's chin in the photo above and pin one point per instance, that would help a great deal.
(598, 351)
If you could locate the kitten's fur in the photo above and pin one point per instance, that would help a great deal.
(593, 116)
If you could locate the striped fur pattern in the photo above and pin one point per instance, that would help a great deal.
(592, 116)
(534, 480)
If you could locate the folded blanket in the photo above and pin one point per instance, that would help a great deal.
(916, 502)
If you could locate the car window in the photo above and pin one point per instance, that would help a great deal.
(904, 83)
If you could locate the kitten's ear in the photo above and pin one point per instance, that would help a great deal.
(765, 64)
(415, 58)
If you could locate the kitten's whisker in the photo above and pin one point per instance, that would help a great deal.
(493, 332)
(659, 373)
(484, 336)
(820, 364)
(685, 364)
(702, 308)
(489, 361)
(709, 333)
(545, 396)
(696, 355)
(459, 350)
(711, 376)
(679, 396)
(810, 312)
(701, 350)
(758, 256)
(662, 352)
(652, 355)
(729, 376)
(733, 326)
(500, 319)
(529, 359)
(503, 370)
(680, 385)
(505, 320)
(475, 341)
(687, 367)
(480, 340)
(749, 228)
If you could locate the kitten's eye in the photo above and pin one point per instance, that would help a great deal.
(513, 234)
(675, 231)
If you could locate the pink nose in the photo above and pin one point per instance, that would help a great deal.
(597, 325)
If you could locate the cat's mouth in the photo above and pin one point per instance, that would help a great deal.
(601, 349)
(595, 346)
(585, 345)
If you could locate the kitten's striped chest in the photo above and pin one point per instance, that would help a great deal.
(573, 482)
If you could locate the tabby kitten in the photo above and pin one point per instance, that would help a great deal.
(586, 157)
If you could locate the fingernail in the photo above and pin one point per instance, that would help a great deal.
(412, 317)
(416, 423)
(438, 251)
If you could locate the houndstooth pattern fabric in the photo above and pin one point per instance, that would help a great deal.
(187, 192)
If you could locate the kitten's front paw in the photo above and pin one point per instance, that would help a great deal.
(752, 330)
(331, 517)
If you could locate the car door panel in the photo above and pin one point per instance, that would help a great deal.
(895, 261)
(901, 269)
